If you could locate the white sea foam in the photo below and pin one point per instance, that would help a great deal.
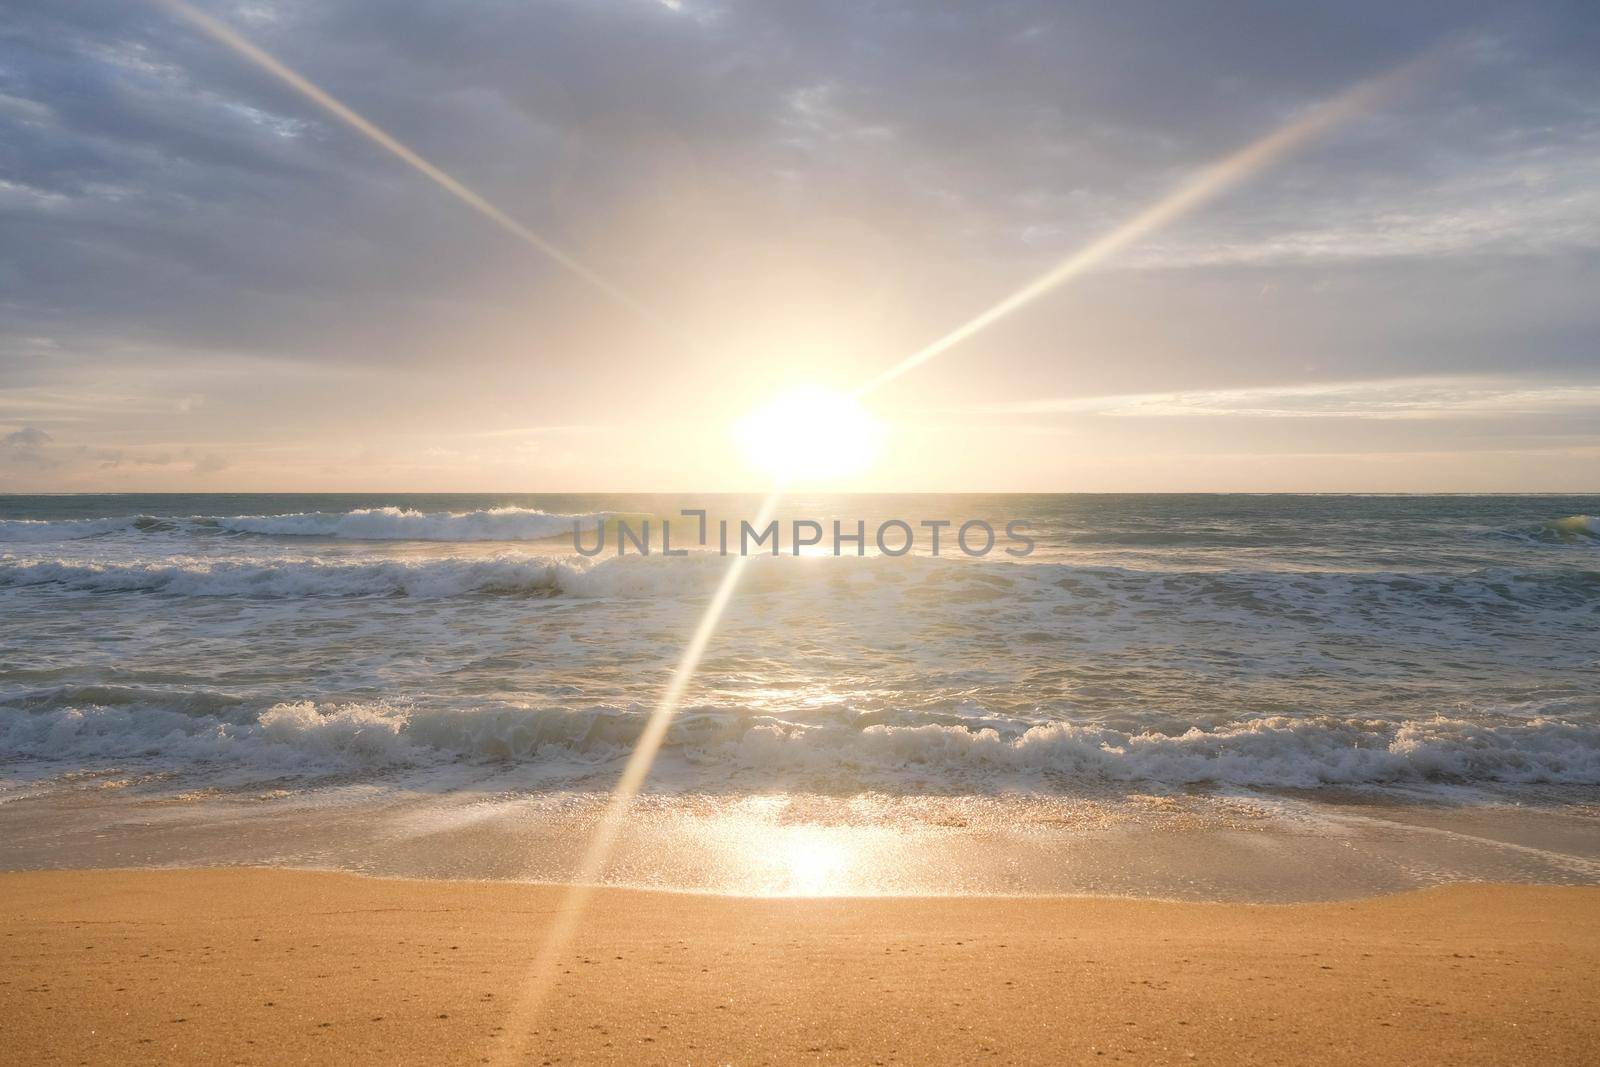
(1274, 751)
(286, 739)
(1269, 751)
(396, 524)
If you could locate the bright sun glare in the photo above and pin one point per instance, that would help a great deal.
(816, 864)
(809, 434)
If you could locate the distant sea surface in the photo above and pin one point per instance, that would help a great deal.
(338, 647)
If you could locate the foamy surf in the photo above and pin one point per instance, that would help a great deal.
(733, 747)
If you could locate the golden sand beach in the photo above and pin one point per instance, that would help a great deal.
(278, 966)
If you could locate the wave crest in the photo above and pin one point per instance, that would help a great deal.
(362, 524)
(1260, 752)
(504, 575)
(37, 531)
(1575, 527)
(397, 524)
(1045, 586)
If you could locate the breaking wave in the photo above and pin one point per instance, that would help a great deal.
(362, 524)
(396, 524)
(1575, 527)
(504, 575)
(529, 524)
(37, 531)
(1272, 751)
(1283, 594)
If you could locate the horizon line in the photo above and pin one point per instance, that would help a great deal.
(824, 492)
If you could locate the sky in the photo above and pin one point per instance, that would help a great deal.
(208, 282)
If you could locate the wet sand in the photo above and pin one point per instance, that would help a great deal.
(273, 966)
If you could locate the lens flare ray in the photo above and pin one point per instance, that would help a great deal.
(1203, 187)
(232, 39)
(542, 971)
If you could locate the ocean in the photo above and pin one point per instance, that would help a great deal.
(442, 685)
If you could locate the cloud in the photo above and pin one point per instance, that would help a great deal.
(225, 207)
(25, 447)
(27, 437)
(211, 463)
(113, 458)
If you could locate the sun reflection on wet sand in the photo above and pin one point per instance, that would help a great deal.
(817, 862)
(793, 845)
(758, 858)
(810, 845)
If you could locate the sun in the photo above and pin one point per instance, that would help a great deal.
(809, 435)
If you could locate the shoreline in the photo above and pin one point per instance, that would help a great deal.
(975, 897)
(263, 965)
(1113, 844)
